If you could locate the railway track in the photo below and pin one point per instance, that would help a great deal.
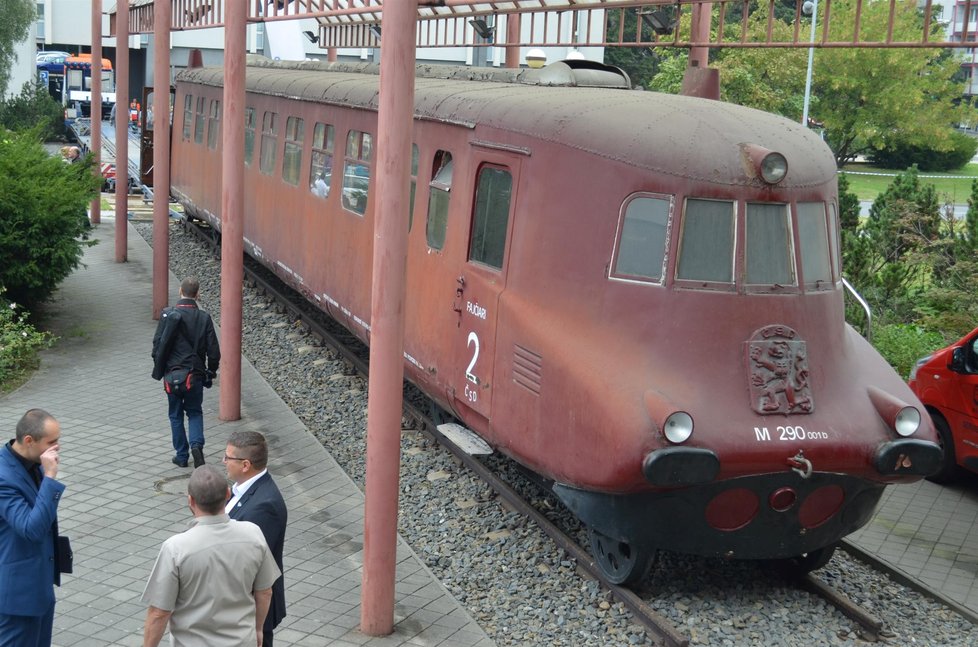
(659, 628)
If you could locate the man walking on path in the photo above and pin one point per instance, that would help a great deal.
(186, 355)
(212, 583)
(30, 563)
(256, 498)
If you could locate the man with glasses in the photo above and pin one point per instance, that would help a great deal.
(212, 583)
(256, 498)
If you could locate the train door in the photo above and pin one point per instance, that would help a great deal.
(483, 279)
(146, 120)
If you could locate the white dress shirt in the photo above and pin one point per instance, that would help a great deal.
(237, 491)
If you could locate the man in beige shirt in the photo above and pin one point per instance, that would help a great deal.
(213, 582)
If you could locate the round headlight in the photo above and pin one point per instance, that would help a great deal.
(774, 167)
(678, 427)
(907, 421)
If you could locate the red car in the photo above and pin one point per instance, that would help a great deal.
(947, 383)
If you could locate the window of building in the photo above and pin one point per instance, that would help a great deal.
(292, 159)
(321, 166)
(356, 173)
(813, 236)
(249, 119)
(188, 116)
(490, 218)
(201, 119)
(768, 245)
(707, 241)
(269, 143)
(641, 245)
(40, 21)
(214, 124)
(440, 192)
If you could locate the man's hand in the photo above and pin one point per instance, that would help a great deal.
(49, 461)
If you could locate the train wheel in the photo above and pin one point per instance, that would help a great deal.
(620, 562)
(949, 466)
(811, 561)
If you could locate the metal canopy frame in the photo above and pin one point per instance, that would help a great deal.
(553, 23)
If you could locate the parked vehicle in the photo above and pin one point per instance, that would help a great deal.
(947, 383)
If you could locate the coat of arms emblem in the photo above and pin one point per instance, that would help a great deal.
(778, 372)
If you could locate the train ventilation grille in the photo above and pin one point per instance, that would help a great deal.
(527, 368)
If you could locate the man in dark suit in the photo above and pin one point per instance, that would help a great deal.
(256, 498)
(29, 496)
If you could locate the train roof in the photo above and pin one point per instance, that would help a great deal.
(687, 137)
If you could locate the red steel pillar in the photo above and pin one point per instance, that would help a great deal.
(121, 132)
(700, 28)
(162, 15)
(232, 208)
(512, 36)
(331, 51)
(96, 104)
(395, 128)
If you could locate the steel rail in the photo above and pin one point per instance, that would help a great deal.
(871, 625)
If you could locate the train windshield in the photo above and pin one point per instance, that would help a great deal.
(814, 239)
(641, 249)
(707, 242)
(768, 255)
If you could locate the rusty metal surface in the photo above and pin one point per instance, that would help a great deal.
(547, 23)
(578, 118)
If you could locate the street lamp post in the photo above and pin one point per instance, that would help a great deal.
(812, 6)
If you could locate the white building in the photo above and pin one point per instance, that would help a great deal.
(22, 68)
(66, 25)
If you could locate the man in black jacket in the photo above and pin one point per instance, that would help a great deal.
(256, 498)
(186, 355)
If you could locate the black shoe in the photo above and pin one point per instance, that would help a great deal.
(198, 456)
(179, 463)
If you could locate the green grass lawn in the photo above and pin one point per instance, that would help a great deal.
(953, 186)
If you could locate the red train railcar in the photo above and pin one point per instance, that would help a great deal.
(636, 295)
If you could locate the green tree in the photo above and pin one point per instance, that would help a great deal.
(42, 216)
(17, 18)
(33, 107)
(970, 238)
(871, 98)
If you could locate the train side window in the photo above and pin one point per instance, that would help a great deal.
(292, 159)
(768, 246)
(188, 116)
(813, 236)
(201, 118)
(415, 156)
(438, 198)
(269, 143)
(321, 166)
(356, 174)
(249, 151)
(490, 220)
(707, 241)
(641, 245)
(834, 239)
(214, 124)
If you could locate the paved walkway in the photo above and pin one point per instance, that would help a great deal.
(124, 496)
(929, 533)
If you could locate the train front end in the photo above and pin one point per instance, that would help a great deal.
(744, 417)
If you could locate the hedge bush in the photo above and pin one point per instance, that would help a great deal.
(19, 342)
(928, 158)
(43, 220)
